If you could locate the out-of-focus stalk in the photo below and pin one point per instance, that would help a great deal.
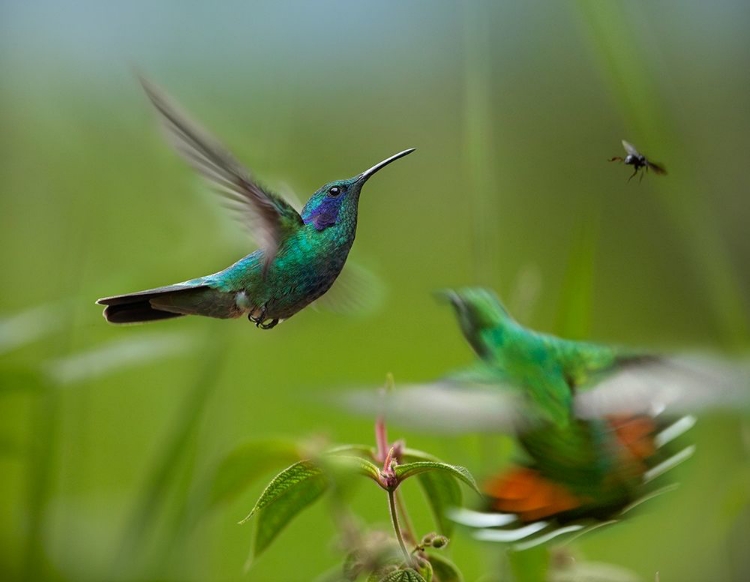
(624, 65)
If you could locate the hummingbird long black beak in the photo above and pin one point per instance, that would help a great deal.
(364, 176)
(446, 296)
(452, 297)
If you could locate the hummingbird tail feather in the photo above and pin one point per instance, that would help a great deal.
(530, 504)
(137, 312)
(171, 301)
(137, 307)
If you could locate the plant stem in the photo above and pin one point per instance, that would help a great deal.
(396, 528)
(381, 438)
(408, 526)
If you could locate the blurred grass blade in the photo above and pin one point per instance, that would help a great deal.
(575, 298)
(31, 325)
(40, 475)
(21, 380)
(172, 454)
(478, 143)
(117, 355)
(612, 30)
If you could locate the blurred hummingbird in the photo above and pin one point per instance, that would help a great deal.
(581, 465)
(300, 254)
(638, 161)
(592, 419)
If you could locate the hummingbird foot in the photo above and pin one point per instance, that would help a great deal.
(270, 325)
(260, 320)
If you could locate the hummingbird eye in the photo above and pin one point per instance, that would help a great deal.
(334, 191)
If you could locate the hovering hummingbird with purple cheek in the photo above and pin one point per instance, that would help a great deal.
(300, 254)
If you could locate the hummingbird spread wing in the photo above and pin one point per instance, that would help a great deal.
(474, 400)
(356, 291)
(481, 400)
(677, 384)
(269, 216)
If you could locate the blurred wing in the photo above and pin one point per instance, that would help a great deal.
(269, 216)
(630, 148)
(356, 291)
(678, 385)
(456, 405)
(526, 290)
(658, 168)
(288, 193)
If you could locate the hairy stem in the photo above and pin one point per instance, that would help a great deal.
(408, 526)
(381, 438)
(396, 528)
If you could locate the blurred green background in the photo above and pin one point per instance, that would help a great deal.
(107, 433)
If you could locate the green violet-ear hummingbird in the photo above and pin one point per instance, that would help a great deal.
(300, 255)
(583, 463)
(593, 420)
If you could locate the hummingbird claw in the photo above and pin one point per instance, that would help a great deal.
(270, 325)
(260, 319)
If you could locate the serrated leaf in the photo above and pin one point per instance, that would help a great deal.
(291, 491)
(379, 575)
(418, 467)
(417, 455)
(246, 463)
(353, 464)
(407, 575)
(444, 570)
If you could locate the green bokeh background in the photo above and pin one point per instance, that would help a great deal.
(513, 107)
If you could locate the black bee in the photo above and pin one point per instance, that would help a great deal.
(638, 161)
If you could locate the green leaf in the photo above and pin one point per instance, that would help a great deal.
(444, 570)
(424, 568)
(407, 575)
(246, 463)
(379, 575)
(351, 464)
(440, 489)
(418, 467)
(417, 455)
(291, 491)
(441, 492)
